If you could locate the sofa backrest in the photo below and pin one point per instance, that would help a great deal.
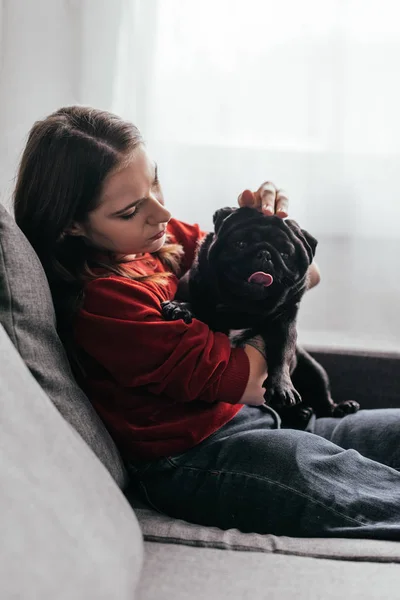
(27, 315)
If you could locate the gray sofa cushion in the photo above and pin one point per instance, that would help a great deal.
(66, 529)
(161, 528)
(27, 314)
(179, 573)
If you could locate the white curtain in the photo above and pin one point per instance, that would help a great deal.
(304, 93)
(229, 93)
(52, 53)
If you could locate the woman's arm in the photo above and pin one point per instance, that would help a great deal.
(121, 326)
(254, 391)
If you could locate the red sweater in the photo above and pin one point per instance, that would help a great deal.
(160, 387)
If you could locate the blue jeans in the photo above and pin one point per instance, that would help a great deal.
(339, 478)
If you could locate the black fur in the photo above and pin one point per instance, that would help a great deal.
(244, 242)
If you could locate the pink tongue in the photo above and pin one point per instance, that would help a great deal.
(262, 278)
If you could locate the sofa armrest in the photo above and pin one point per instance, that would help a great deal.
(370, 378)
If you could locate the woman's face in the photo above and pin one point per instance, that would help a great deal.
(130, 218)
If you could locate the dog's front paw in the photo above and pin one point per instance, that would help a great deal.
(281, 393)
(173, 311)
(347, 407)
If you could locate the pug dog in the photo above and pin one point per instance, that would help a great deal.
(250, 275)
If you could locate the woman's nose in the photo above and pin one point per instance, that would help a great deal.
(158, 213)
(165, 216)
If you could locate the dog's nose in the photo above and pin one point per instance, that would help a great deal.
(264, 255)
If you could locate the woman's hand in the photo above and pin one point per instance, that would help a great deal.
(268, 199)
(314, 276)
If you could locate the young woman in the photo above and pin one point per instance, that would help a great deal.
(183, 406)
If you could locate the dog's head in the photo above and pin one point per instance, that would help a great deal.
(254, 258)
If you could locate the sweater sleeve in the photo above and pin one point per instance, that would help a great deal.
(122, 328)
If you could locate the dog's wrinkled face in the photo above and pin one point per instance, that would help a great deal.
(258, 257)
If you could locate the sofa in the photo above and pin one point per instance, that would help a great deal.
(74, 527)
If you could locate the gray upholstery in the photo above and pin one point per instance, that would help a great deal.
(161, 528)
(371, 378)
(67, 531)
(174, 572)
(27, 314)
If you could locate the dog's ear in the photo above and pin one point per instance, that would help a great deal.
(312, 242)
(309, 241)
(220, 216)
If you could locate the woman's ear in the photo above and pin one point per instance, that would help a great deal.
(75, 229)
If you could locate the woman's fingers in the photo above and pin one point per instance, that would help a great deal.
(282, 204)
(268, 199)
(246, 198)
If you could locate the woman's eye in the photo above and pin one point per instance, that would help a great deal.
(132, 214)
(127, 217)
(241, 244)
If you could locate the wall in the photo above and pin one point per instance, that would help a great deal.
(46, 62)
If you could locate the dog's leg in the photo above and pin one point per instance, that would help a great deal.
(280, 345)
(311, 380)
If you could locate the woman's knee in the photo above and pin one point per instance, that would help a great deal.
(274, 451)
(373, 433)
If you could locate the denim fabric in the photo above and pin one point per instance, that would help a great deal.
(256, 477)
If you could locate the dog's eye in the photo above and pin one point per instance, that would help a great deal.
(284, 255)
(240, 244)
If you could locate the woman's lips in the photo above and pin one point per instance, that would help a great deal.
(158, 235)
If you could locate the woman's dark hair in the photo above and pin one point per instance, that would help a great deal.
(67, 157)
